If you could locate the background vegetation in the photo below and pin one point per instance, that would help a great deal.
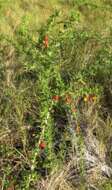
(55, 85)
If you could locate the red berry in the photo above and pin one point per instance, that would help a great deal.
(56, 98)
(42, 145)
(46, 41)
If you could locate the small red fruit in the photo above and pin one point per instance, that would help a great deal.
(46, 41)
(56, 98)
(42, 145)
